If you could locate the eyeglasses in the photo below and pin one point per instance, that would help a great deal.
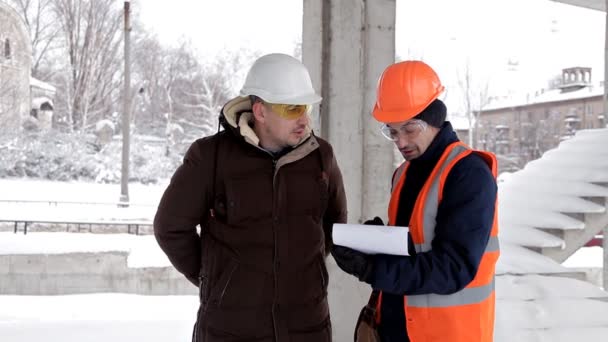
(410, 130)
(290, 112)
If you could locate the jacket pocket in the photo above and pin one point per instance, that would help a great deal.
(221, 286)
(248, 199)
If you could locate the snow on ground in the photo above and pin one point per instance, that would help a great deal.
(40, 190)
(72, 212)
(535, 286)
(97, 318)
(47, 201)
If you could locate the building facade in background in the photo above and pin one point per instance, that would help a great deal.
(15, 66)
(520, 130)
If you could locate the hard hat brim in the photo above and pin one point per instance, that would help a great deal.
(306, 99)
(395, 116)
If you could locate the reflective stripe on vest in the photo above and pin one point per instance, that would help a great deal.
(398, 174)
(469, 295)
(432, 199)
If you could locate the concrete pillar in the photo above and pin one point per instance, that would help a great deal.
(312, 53)
(378, 156)
(605, 98)
(346, 46)
(605, 249)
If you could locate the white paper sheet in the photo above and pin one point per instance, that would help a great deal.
(372, 239)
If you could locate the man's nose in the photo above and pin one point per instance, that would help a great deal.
(402, 141)
(303, 119)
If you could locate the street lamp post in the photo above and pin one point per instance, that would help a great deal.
(126, 126)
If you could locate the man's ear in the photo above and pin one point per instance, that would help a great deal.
(258, 111)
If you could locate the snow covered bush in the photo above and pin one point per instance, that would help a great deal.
(65, 157)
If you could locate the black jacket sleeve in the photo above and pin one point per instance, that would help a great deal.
(464, 223)
(182, 208)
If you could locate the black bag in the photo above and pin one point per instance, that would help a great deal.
(366, 329)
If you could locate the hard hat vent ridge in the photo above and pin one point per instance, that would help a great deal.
(404, 90)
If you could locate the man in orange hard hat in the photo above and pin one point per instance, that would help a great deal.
(445, 192)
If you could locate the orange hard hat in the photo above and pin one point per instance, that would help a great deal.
(404, 90)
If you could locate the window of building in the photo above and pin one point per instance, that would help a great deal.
(7, 48)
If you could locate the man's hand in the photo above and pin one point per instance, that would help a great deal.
(353, 262)
(375, 222)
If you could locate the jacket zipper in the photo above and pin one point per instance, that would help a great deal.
(275, 220)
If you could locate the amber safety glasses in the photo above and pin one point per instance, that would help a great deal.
(290, 112)
(410, 130)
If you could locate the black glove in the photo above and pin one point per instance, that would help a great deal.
(359, 264)
(375, 222)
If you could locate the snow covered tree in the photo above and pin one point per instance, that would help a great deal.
(179, 88)
(91, 39)
(40, 22)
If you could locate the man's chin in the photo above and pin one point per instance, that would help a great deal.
(295, 142)
(297, 138)
(409, 156)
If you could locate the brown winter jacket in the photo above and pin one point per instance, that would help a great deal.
(266, 232)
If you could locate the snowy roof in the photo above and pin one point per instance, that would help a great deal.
(545, 96)
(41, 85)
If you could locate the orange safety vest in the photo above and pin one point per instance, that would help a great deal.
(464, 316)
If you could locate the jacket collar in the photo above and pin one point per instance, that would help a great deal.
(444, 137)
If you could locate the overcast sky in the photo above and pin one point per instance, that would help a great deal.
(540, 36)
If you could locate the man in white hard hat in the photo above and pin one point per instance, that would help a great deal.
(266, 193)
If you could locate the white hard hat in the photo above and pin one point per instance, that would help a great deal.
(280, 78)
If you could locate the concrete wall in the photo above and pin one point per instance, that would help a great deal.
(57, 274)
